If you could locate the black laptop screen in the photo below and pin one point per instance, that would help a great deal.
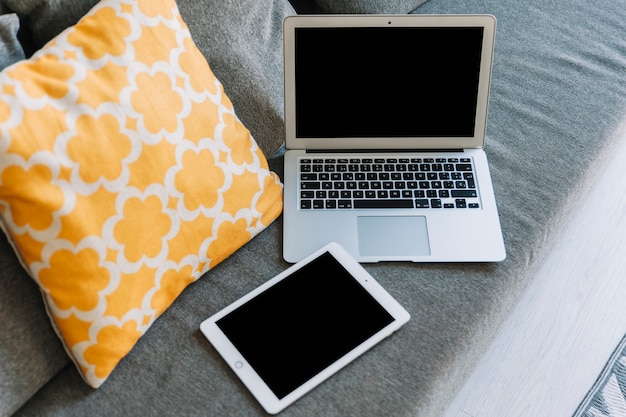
(387, 82)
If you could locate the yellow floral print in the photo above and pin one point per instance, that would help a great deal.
(125, 175)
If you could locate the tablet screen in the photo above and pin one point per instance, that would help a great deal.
(295, 329)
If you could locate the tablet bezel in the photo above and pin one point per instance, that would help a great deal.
(244, 371)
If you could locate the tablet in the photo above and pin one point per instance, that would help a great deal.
(296, 330)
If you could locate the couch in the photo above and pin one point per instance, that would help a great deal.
(558, 94)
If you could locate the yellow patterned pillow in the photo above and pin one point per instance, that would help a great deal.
(124, 175)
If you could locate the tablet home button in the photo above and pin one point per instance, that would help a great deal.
(238, 364)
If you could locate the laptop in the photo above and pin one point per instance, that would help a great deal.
(385, 128)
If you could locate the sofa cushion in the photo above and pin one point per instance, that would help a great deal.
(369, 6)
(30, 350)
(125, 175)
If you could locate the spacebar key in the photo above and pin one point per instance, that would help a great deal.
(376, 204)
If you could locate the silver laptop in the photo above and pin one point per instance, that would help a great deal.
(385, 129)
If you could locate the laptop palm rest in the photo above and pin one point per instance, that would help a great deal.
(393, 236)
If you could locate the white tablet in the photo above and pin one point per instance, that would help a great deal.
(302, 326)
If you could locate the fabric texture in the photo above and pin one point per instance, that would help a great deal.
(117, 195)
(10, 48)
(47, 18)
(30, 350)
(243, 43)
(369, 6)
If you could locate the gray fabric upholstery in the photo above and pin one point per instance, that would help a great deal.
(559, 88)
(30, 352)
(11, 50)
(242, 42)
(47, 18)
(368, 6)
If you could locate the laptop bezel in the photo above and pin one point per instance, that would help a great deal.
(290, 24)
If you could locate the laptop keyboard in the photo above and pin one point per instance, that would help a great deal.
(379, 183)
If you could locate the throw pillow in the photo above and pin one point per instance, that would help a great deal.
(125, 175)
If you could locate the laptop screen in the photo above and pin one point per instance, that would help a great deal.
(371, 82)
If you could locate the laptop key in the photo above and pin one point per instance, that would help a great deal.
(463, 193)
(310, 185)
(422, 203)
(377, 204)
(469, 177)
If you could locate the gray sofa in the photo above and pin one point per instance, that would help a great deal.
(558, 93)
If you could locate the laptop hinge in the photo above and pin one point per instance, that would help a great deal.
(383, 150)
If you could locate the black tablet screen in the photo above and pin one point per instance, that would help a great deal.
(307, 321)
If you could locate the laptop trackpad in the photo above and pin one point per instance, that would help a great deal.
(393, 236)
